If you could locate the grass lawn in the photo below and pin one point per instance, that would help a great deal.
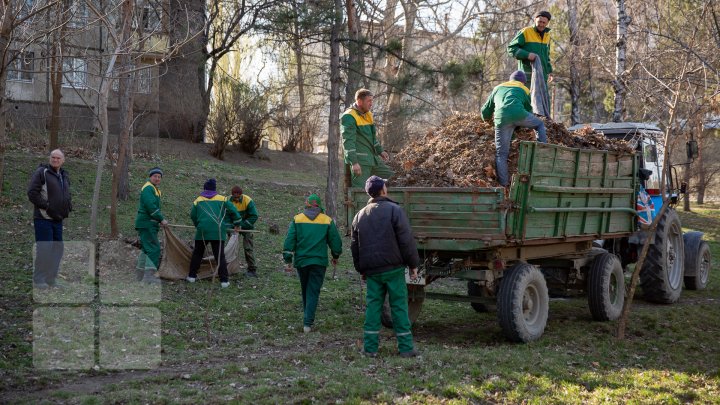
(199, 344)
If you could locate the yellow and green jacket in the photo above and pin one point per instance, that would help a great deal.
(528, 40)
(248, 212)
(149, 214)
(308, 238)
(208, 215)
(509, 102)
(359, 134)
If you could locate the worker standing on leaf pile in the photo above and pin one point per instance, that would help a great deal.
(509, 103)
(308, 238)
(147, 224)
(362, 149)
(531, 47)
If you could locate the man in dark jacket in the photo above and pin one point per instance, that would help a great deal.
(382, 246)
(49, 191)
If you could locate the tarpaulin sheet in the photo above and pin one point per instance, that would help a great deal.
(175, 263)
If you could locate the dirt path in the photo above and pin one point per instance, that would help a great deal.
(87, 383)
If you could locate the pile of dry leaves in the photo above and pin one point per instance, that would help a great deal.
(461, 152)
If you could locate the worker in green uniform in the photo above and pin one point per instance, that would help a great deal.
(382, 245)
(362, 150)
(509, 103)
(249, 215)
(208, 214)
(533, 42)
(307, 241)
(147, 223)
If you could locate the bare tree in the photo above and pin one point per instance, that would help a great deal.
(623, 21)
(334, 119)
(15, 32)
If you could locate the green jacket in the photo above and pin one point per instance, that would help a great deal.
(208, 214)
(359, 134)
(509, 102)
(528, 40)
(149, 214)
(248, 212)
(308, 238)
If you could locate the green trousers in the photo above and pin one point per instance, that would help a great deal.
(381, 170)
(150, 256)
(249, 248)
(393, 284)
(311, 281)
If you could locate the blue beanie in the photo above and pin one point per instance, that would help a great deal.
(155, 170)
(210, 185)
(373, 185)
(519, 75)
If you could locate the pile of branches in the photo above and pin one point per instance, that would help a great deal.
(461, 152)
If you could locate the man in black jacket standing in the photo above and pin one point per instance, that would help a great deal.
(49, 191)
(382, 246)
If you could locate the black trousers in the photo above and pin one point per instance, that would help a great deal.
(218, 248)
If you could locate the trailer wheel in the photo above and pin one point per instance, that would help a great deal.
(661, 277)
(606, 288)
(523, 303)
(697, 263)
(474, 291)
(416, 298)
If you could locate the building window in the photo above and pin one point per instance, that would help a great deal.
(26, 8)
(74, 73)
(152, 16)
(142, 78)
(22, 66)
(78, 13)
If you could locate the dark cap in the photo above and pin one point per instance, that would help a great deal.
(210, 185)
(543, 13)
(155, 170)
(373, 185)
(519, 75)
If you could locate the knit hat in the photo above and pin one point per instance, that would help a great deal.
(519, 75)
(210, 185)
(373, 185)
(543, 13)
(313, 201)
(155, 170)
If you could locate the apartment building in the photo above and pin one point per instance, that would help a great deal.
(86, 49)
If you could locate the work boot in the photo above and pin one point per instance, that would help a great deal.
(139, 274)
(411, 353)
(252, 273)
(150, 277)
(41, 286)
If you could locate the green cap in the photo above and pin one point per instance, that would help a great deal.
(314, 200)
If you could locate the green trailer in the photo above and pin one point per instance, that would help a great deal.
(511, 249)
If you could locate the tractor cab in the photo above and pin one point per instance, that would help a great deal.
(647, 139)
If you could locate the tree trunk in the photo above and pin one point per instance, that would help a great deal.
(333, 141)
(126, 119)
(356, 57)
(103, 125)
(574, 70)
(56, 74)
(623, 21)
(700, 167)
(306, 138)
(687, 174)
(396, 126)
(6, 28)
